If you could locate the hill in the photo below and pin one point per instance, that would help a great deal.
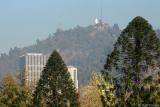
(83, 47)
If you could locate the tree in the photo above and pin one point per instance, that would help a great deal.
(55, 87)
(155, 95)
(99, 93)
(151, 87)
(12, 94)
(107, 91)
(133, 58)
(90, 95)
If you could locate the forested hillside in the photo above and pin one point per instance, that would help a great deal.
(83, 47)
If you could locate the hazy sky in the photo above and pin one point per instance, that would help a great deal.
(23, 21)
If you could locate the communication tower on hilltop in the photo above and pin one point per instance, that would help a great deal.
(99, 21)
(100, 25)
(101, 10)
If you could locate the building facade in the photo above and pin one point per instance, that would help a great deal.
(32, 65)
(73, 72)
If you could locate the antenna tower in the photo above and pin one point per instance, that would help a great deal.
(101, 10)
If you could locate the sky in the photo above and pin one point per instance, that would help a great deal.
(22, 22)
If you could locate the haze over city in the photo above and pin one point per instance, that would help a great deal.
(22, 22)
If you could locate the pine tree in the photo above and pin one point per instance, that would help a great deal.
(151, 86)
(133, 58)
(55, 87)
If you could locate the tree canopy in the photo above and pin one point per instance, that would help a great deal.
(135, 57)
(55, 87)
(12, 94)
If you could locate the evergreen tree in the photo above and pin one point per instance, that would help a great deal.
(55, 87)
(133, 58)
(155, 95)
(151, 86)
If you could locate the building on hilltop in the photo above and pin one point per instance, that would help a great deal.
(32, 65)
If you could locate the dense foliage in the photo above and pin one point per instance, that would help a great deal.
(55, 87)
(135, 57)
(14, 95)
(90, 94)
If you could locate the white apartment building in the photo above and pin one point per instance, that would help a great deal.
(32, 65)
(73, 72)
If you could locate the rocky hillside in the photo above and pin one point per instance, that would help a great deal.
(83, 47)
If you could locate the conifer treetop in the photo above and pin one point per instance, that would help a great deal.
(136, 56)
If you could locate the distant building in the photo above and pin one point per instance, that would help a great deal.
(32, 65)
(73, 72)
(96, 21)
(100, 25)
